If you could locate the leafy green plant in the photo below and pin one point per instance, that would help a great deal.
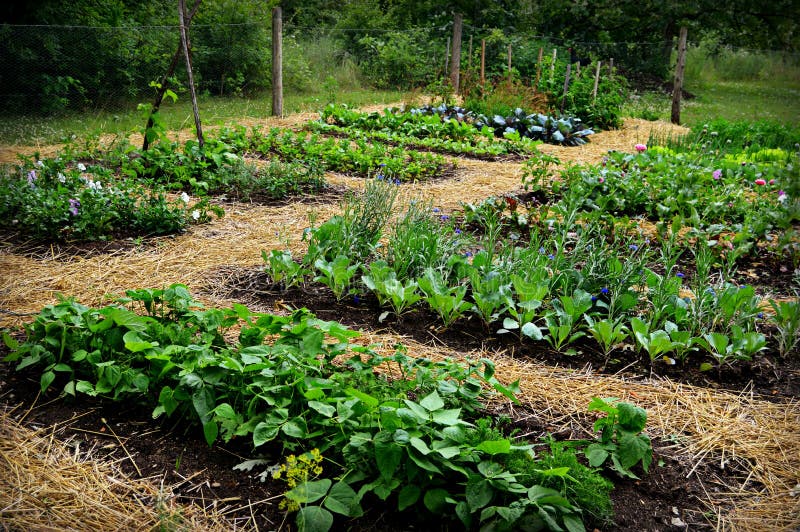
(447, 301)
(787, 321)
(336, 274)
(283, 269)
(621, 438)
(607, 332)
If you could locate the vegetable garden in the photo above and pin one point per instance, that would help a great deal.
(412, 316)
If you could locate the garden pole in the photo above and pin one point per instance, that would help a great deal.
(596, 82)
(455, 66)
(678, 85)
(539, 66)
(277, 62)
(483, 62)
(509, 65)
(553, 65)
(188, 57)
(162, 87)
(566, 87)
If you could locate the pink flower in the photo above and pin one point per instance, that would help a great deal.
(771, 181)
(717, 174)
(640, 147)
(760, 181)
(601, 179)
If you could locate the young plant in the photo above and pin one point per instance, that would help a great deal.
(607, 332)
(787, 321)
(621, 437)
(565, 318)
(447, 301)
(336, 274)
(282, 269)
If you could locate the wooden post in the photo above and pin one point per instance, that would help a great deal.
(469, 56)
(187, 56)
(447, 55)
(455, 67)
(539, 65)
(553, 65)
(678, 85)
(596, 82)
(483, 62)
(162, 87)
(509, 65)
(277, 62)
(611, 66)
(566, 87)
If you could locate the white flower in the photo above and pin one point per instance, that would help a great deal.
(95, 185)
(81, 167)
(40, 164)
(61, 178)
(184, 197)
(196, 214)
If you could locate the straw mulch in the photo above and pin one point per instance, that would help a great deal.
(736, 430)
(48, 486)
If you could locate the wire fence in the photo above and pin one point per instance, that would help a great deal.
(47, 69)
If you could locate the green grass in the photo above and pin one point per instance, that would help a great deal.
(214, 111)
(729, 84)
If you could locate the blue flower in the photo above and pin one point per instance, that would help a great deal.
(396, 181)
(436, 209)
(356, 299)
(680, 275)
(604, 290)
(445, 217)
(379, 177)
(382, 165)
(468, 254)
(594, 298)
(551, 256)
(541, 251)
(760, 315)
(633, 247)
(742, 287)
(458, 231)
(710, 290)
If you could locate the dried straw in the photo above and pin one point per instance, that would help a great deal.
(48, 486)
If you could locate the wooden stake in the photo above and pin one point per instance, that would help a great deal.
(596, 82)
(483, 62)
(566, 87)
(162, 87)
(553, 65)
(187, 56)
(509, 65)
(277, 62)
(539, 66)
(455, 67)
(678, 85)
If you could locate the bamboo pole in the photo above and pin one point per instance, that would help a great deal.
(596, 82)
(483, 62)
(277, 62)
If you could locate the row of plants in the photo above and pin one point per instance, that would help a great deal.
(46, 199)
(570, 278)
(461, 125)
(421, 442)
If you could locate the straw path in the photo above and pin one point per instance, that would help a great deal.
(47, 486)
(737, 430)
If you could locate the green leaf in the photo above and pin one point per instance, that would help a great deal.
(263, 433)
(135, 344)
(314, 519)
(479, 493)
(447, 417)
(388, 455)
(342, 499)
(435, 500)
(309, 492)
(295, 428)
(596, 455)
(210, 431)
(573, 523)
(46, 380)
(432, 402)
(632, 418)
(85, 387)
(419, 445)
(323, 408)
(408, 496)
(495, 447)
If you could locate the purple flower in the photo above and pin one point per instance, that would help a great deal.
(382, 165)
(551, 256)
(604, 290)
(717, 174)
(458, 231)
(541, 251)
(680, 275)
(356, 299)
(73, 206)
(436, 209)
(396, 181)
(379, 177)
(760, 315)
(633, 247)
(31, 177)
(594, 298)
(445, 217)
(468, 254)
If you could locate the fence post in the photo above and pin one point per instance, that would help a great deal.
(596, 82)
(483, 62)
(678, 85)
(566, 87)
(539, 66)
(455, 68)
(185, 43)
(553, 65)
(509, 65)
(611, 66)
(277, 62)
